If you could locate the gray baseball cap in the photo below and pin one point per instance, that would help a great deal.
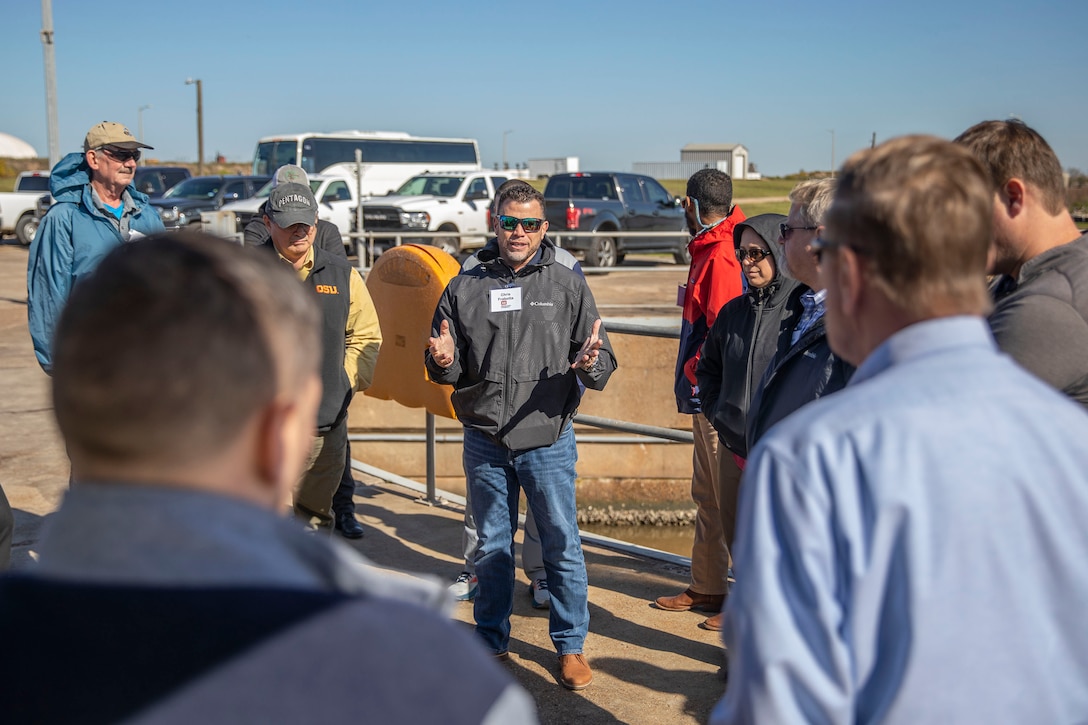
(290, 174)
(290, 204)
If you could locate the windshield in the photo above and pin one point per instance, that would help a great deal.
(431, 185)
(195, 189)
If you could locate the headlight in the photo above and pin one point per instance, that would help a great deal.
(168, 215)
(415, 219)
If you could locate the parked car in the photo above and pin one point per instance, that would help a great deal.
(155, 181)
(614, 203)
(151, 180)
(181, 206)
(335, 194)
(17, 206)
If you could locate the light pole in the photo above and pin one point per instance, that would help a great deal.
(50, 59)
(140, 127)
(505, 166)
(832, 132)
(199, 124)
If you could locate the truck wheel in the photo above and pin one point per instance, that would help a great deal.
(449, 245)
(26, 228)
(602, 253)
(681, 255)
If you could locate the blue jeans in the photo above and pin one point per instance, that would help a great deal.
(496, 476)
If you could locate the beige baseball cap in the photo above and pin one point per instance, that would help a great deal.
(109, 133)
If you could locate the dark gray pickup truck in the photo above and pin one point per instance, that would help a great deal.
(614, 203)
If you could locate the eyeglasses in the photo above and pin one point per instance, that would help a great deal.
(756, 255)
(785, 229)
(510, 223)
(121, 155)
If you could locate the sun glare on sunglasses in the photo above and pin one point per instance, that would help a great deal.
(510, 223)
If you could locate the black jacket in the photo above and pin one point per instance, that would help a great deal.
(511, 373)
(805, 372)
(747, 334)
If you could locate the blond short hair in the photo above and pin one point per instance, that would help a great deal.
(813, 199)
(920, 209)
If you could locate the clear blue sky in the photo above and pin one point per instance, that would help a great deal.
(609, 82)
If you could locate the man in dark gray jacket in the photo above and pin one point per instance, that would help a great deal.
(515, 335)
(1040, 312)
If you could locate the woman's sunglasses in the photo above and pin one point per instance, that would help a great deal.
(756, 255)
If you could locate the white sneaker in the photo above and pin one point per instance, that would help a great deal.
(464, 587)
(538, 590)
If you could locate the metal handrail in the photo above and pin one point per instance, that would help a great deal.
(399, 235)
(671, 435)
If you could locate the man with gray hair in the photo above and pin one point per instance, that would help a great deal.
(874, 577)
(809, 369)
(169, 568)
(97, 208)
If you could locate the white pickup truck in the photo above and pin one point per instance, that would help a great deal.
(336, 202)
(454, 201)
(17, 207)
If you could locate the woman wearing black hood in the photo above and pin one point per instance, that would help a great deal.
(748, 332)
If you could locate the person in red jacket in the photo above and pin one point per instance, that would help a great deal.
(714, 278)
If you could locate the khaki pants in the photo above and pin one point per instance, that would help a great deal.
(709, 558)
(729, 474)
(313, 495)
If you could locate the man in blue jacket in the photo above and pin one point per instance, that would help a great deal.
(97, 208)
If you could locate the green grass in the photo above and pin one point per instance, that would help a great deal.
(770, 207)
(7, 183)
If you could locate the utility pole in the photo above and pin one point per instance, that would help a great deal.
(832, 132)
(140, 127)
(199, 124)
(504, 135)
(50, 57)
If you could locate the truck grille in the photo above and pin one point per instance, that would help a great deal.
(381, 217)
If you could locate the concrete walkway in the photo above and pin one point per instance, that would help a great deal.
(650, 666)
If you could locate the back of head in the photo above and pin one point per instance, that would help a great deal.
(713, 190)
(1012, 149)
(172, 344)
(920, 210)
(813, 198)
(290, 174)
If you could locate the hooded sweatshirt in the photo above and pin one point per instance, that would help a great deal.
(746, 335)
(714, 278)
(73, 238)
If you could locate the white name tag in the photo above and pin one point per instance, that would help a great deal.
(507, 299)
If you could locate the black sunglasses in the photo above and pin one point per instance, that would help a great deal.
(756, 255)
(785, 229)
(122, 155)
(510, 223)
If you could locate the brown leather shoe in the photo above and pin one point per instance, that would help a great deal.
(714, 624)
(574, 672)
(688, 599)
